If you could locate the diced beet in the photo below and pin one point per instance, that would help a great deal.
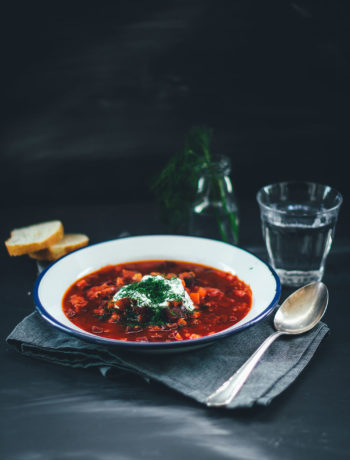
(82, 284)
(78, 302)
(70, 313)
(213, 292)
(102, 291)
(156, 336)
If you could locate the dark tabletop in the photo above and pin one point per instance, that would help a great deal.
(51, 412)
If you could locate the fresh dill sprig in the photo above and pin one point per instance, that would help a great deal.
(175, 186)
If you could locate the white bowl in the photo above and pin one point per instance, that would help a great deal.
(55, 280)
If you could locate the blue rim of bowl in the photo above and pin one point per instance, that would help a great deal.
(152, 345)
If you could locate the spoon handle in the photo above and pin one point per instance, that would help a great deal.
(229, 389)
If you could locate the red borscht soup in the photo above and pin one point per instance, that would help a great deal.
(157, 301)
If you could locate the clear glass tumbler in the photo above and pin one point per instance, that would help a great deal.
(298, 223)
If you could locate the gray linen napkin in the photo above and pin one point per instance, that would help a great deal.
(195, 374)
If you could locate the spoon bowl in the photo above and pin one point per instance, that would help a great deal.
(303, 309)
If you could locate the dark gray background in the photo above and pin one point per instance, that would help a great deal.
(97, 95)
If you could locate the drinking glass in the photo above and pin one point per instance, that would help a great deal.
(298, 223)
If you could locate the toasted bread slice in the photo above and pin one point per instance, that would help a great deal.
(34, 238)
(70, 242)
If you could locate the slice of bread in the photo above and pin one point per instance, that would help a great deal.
(34, 238)
(70, 242)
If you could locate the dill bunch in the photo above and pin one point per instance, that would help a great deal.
(175, 186)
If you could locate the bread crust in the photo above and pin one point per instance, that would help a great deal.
(55, 252)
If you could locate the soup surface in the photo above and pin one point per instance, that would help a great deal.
(157, 301)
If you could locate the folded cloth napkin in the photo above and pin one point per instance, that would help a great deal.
(195, 374)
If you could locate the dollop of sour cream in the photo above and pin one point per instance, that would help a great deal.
(155, 291)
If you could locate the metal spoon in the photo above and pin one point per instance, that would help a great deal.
(299, 313)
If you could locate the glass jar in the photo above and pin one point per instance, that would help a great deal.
(214, 213)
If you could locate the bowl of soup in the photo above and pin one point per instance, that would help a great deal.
(156, 292)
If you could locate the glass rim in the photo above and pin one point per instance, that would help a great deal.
(281, 211)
